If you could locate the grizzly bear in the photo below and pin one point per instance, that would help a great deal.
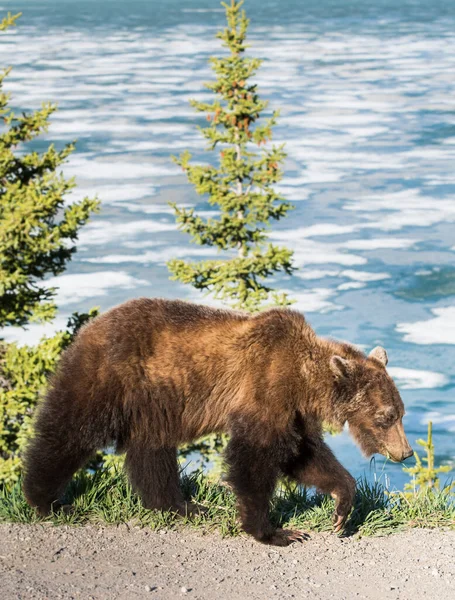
(152, 374)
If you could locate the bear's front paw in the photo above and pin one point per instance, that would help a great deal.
(338, 521)
(344, 500)
(284, 537)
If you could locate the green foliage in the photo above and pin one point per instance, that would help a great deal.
(106, 497)
(241, 188)
(425, 476)
(24, 371)
(37, 230)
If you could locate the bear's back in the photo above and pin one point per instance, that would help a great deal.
(138, 327)
(167, 312)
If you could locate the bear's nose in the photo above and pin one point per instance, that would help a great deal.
(407, 454)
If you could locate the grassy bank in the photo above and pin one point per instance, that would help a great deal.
(106, 497)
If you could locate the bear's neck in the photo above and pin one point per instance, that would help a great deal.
(323, 395)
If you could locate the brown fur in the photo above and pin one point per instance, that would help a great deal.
(150, 375)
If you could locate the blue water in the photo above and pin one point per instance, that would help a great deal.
(366, 96)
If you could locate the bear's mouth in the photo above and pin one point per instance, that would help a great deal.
(390, 456)
(393, 458)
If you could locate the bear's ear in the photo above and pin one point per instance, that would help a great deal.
(341, 367)
(379, 354)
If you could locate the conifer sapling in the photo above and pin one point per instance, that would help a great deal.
(241, 188)
(36, 228)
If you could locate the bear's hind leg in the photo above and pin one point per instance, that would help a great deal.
(154, 476)
(50, 462)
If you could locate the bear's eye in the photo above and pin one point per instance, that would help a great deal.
(386, 419)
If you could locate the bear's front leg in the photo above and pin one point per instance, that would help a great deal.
(252, 472)
(315, 465)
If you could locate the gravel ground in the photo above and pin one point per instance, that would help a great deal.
(43, 561)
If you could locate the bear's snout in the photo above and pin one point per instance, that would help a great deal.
(396, 443)
(403, 457)
(408, 454)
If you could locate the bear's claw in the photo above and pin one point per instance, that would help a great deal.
(338, 522)
(284, 537)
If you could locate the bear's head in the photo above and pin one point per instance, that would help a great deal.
(373, 407)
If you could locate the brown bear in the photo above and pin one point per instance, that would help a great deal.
(151, 374)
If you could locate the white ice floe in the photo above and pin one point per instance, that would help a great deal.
(395, 210)
(113, 168)
(316, 274)
(315, 300)
(102, 232)
(439, 419)
(310, 252)
(356, 276)
(379, 243)
(438, 330)
(364, 275)
(73, 288)
(109, 194)
(34, 332)
(325, 229)
(160, 256)
(414, 379)
(203, 10)
(351, 285)
(293, 193)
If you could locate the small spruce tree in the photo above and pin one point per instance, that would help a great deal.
(425, 477)
(36, 239)
(36, 230)
(241, 188)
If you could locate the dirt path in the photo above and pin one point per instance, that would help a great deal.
(117, 562)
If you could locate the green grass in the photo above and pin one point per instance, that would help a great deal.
(106, 497)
